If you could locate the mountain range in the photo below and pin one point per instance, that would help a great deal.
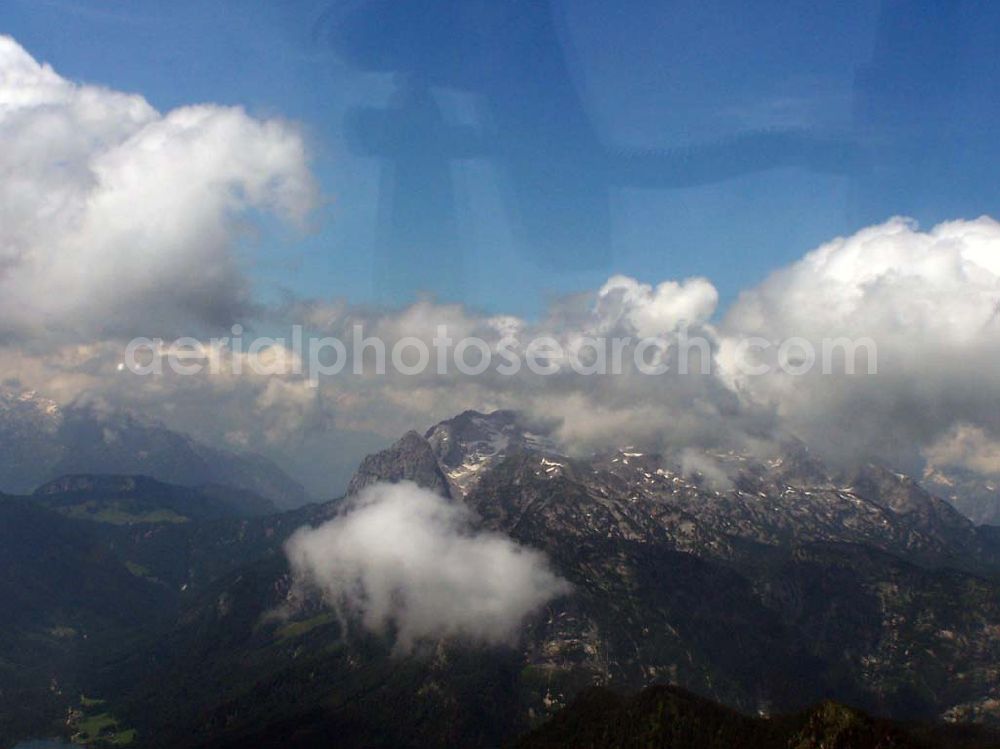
(43, 441)
(766, 586)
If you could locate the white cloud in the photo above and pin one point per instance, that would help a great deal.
(406, 557)
(929, 302)
(651, 312)
(117, 219)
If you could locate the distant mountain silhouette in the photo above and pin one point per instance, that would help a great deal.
(39, 442)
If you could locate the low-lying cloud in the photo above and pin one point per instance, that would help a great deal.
(402, 557)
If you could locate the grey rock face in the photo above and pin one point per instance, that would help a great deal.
(410, 459)
(975, 496)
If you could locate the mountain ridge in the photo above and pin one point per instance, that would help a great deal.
(672, 718)
(138, 499)
(41, 441)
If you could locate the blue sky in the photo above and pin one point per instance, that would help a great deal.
(501, 173)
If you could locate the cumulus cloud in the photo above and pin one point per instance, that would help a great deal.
(649, 311)
(116, 218)
(404, 557)
(928, 300)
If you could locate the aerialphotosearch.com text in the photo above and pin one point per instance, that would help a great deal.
(318, 357)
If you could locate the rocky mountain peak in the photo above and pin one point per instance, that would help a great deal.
(697, 496)
(410, 459)
(472, 442)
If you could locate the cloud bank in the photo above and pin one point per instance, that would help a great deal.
(119, 220)
(929, 302)
(406, 558)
